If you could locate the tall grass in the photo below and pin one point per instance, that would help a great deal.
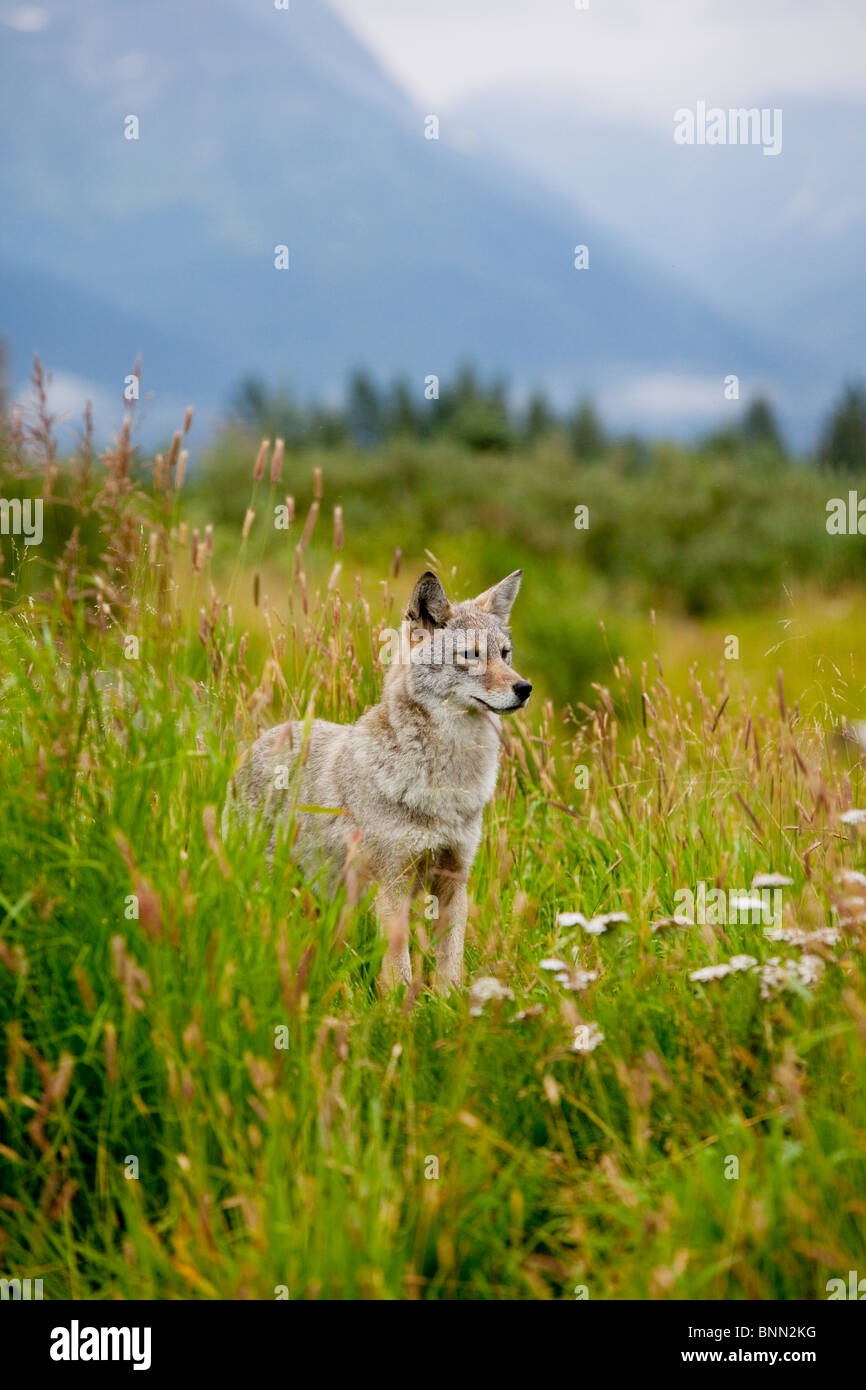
(204, 1095)
(703, 538)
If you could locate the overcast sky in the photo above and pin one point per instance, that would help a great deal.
(630, 57)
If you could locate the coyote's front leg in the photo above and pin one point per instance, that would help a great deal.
(392, 911)
(450, 930)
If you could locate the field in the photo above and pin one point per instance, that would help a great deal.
(204, 1095)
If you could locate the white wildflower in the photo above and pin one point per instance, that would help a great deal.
(741, 902)
(779, 974)
(485, 988)
(776, 974)
(577, 979)
(570, 919)
(810, 969)
(853, 817)
(597, 926)
(710, 972)
(795, 936)
(852, 911)
(742, 962)
(553, 963)
(772, 881)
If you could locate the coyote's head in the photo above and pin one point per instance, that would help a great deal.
(461, 652)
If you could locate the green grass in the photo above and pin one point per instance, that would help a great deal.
(312, 1167)
(693, 536)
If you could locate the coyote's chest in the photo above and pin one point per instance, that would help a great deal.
(435, 787)
(452, 791)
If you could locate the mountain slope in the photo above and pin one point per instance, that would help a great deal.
(259, 128)
(775, 241)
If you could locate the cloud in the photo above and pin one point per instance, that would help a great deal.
(27, 19)
(629, 58)
(665, 396)
(67, 396)
(154, 420)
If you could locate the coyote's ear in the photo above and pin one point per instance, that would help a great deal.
(429, 604)
(500, 599)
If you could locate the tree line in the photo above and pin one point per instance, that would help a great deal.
(480, 417)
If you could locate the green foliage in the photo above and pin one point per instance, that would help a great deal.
(365, 414)
(697, 534)
(843, 445)
(586, 434)
(760, 427)
(540, 418)
(407, 1146)
(274, 413)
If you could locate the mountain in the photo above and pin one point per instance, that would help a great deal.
(261, 127)
(774, 241)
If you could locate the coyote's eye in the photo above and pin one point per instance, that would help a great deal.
(506, 653)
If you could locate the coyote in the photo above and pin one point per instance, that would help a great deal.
(407, 784)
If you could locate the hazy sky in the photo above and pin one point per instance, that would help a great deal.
(634, 57)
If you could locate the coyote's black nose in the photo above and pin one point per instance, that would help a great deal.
(522, 689)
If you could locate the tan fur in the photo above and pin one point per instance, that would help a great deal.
(409, 780)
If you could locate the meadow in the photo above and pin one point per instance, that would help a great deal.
(204, 1095)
